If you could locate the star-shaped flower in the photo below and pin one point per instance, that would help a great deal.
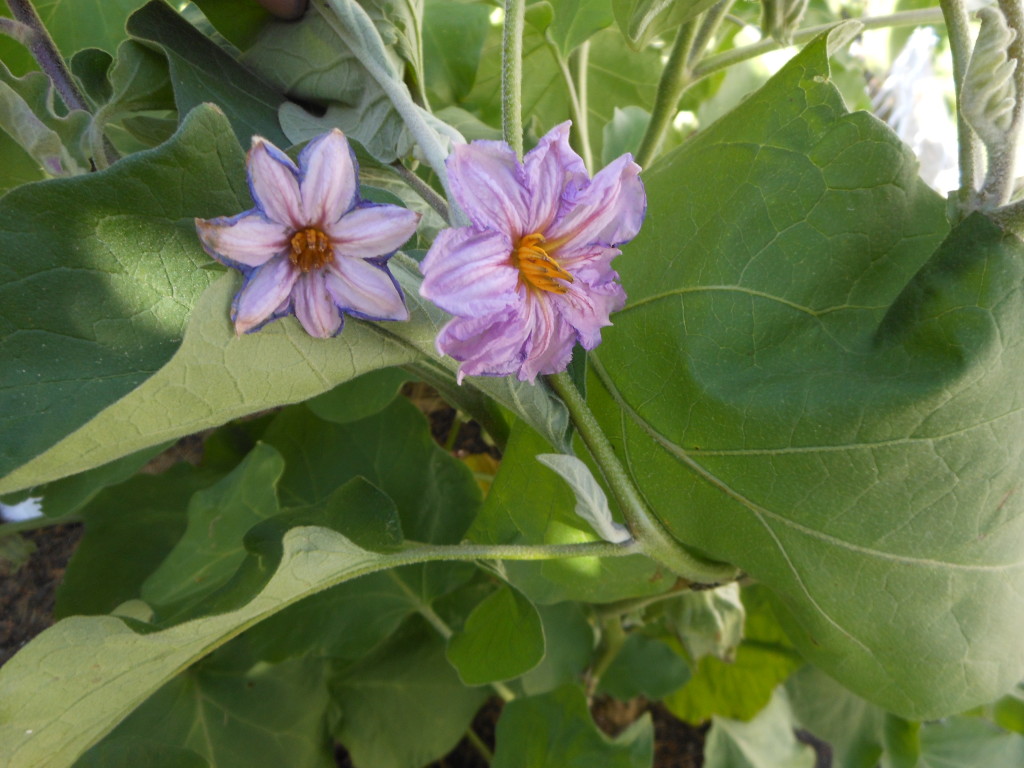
(311, 246)
(532, 275)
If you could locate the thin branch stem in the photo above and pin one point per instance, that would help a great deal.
(706, 31)
(424, 190)
(16, 30)
(653, 538)
(479, 745)
(613, 637)
(582, 68)
(45, 52)
(725, 59)
(575, 106)
(37, 523)
(512, 75)
(674, 81)
(967, 142)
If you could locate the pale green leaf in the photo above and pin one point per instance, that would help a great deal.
(576, 21)
(767, 741)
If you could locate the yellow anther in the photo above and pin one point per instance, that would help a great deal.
(311, 249)
(536, 267)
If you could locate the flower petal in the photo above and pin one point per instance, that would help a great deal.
(486, 346)
(365, 289)
(249, 238)
(587, 308)
(261, 298)
(314, 306)
(487, 181)
(609, 211)
(370, 231)
(553, 170)
(328, 170)
(549, 348)
(274, 184)
(467, 271)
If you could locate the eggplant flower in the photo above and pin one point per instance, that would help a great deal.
(532, 274)
(311, 246)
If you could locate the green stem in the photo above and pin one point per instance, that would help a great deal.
(654, 540)
(575, 106)
(674, 80)
(613, 637)
(512, 75)
(421, 188)
(583, 119)
(479, 745)
(631, 604)
(708, 27)
(719, 61)
(967, 142)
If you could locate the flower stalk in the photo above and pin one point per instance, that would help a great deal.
(44, 51)
(512, 75)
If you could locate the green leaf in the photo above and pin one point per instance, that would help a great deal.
(645, 666)
(18, 167)
(528, 504)
(74, 682)
(403, 706)
(129, 529)
(624, 132)
(740, 688)
(963, 742)
(453, 39)
(125, 263)
(643, 20)
(709, 622)
(211, 548)
(502, 638)
(266, 716)
(852, 435)
(90, 67)
(576, 21)
(15, 551)
(139, 80)
(767, 741)
(568, 645)
(239, 23)
(201, 71)
(359, 398)
(131, 754)
(555, 731)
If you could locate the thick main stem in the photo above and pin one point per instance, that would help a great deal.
(654, 540)
(512, 75)
(674, 81)
(955, 16)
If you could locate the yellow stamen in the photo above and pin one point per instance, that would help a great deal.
(311, 249)
(536, 267)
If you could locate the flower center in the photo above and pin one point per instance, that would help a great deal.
(311, 249)
(536, 267)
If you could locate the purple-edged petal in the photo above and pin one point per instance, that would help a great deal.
(261, 297)
(609, 211)
(328, 186)
(486, 346)
(365, 289)
(248, 238)
(487, 181)
(314, 306)
(372, 231)
(469, 272)
(274, 184)
(587, 309)
(554, 173)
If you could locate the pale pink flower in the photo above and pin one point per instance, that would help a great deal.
(311, 247)
(532, 275)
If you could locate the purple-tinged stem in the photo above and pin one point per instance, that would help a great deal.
(44, 51)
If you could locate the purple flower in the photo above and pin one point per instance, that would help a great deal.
(310, 246)
(532, 275)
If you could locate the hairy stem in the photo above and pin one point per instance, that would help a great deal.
(512, 75)
(674, 80)
(706, 31)
(45, 52)
(583, 119)
(575, 106)
(421, 188)
(1001, 172)
(652, 537)
(613, 637)
(726, 59)
(955, 15)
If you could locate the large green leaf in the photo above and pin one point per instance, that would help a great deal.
(74, 682)
(804, 386)
(266, 717)
(555, 731)
(201, 71)
(114, 270)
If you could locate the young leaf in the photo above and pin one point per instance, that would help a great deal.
(403, 706)
(501, 639)
(359, 398)
(591, 503)
(852, 435)
(767, 741)
(555, 730)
